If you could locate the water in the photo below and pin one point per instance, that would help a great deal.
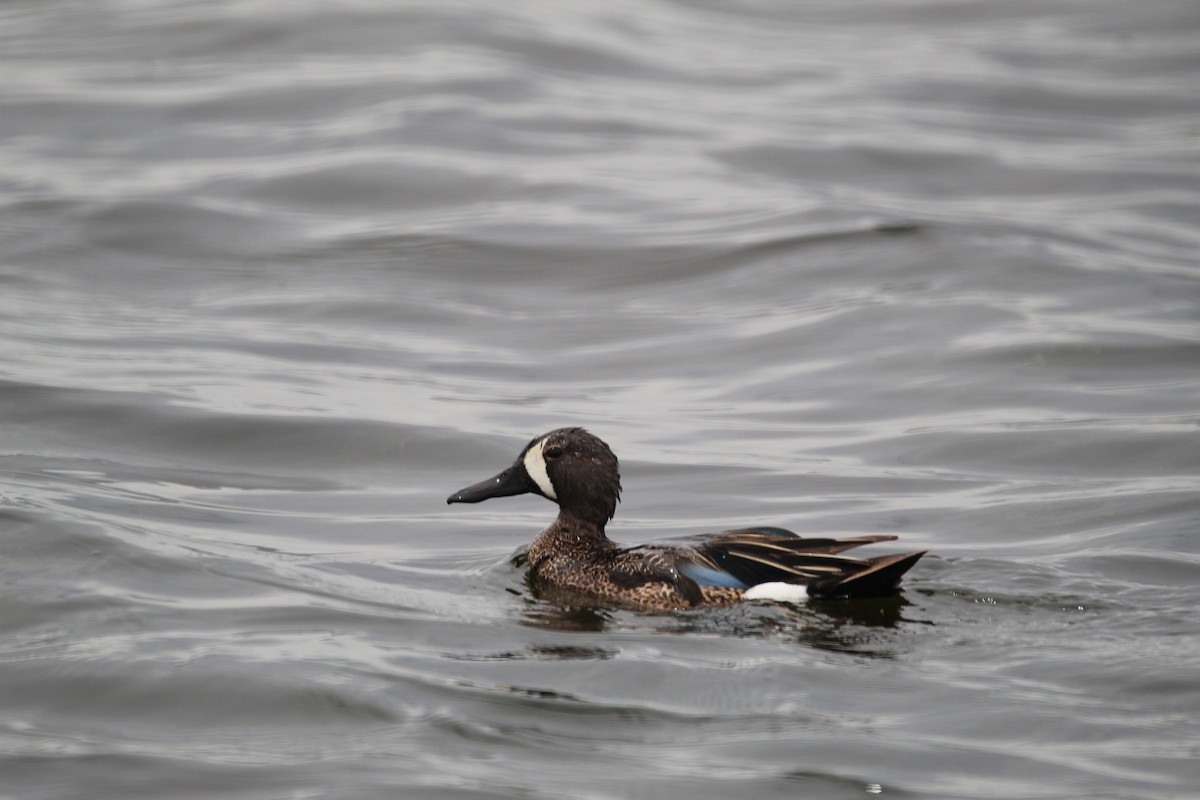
(277, 277)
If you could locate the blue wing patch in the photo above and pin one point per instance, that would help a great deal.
(706, 576)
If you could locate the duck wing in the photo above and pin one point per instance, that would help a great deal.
(638, 565)
(751, 556)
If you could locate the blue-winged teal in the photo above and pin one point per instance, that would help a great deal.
(579, 472)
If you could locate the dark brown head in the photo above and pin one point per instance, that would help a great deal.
(569, 466)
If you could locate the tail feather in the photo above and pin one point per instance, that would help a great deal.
(882, 577)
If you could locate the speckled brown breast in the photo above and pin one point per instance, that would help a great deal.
(578, 563)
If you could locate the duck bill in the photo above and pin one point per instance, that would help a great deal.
(509, 482)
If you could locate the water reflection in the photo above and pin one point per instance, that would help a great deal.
(545, 613)
(874, 628)
(866, 627)
(538, 652)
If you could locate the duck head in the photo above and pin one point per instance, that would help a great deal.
(569, 466)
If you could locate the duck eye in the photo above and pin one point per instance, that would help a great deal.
(554, 451)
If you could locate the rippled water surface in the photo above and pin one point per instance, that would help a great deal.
(277, 277)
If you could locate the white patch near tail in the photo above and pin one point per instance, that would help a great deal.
(778, 591)
(535, 465)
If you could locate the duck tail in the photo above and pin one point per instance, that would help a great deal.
(880, 577)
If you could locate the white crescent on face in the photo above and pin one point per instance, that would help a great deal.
(535, 465)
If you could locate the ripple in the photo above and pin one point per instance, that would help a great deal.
(277, 277)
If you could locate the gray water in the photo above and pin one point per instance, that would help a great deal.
(277, 277)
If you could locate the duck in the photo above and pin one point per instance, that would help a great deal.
(579, 472)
